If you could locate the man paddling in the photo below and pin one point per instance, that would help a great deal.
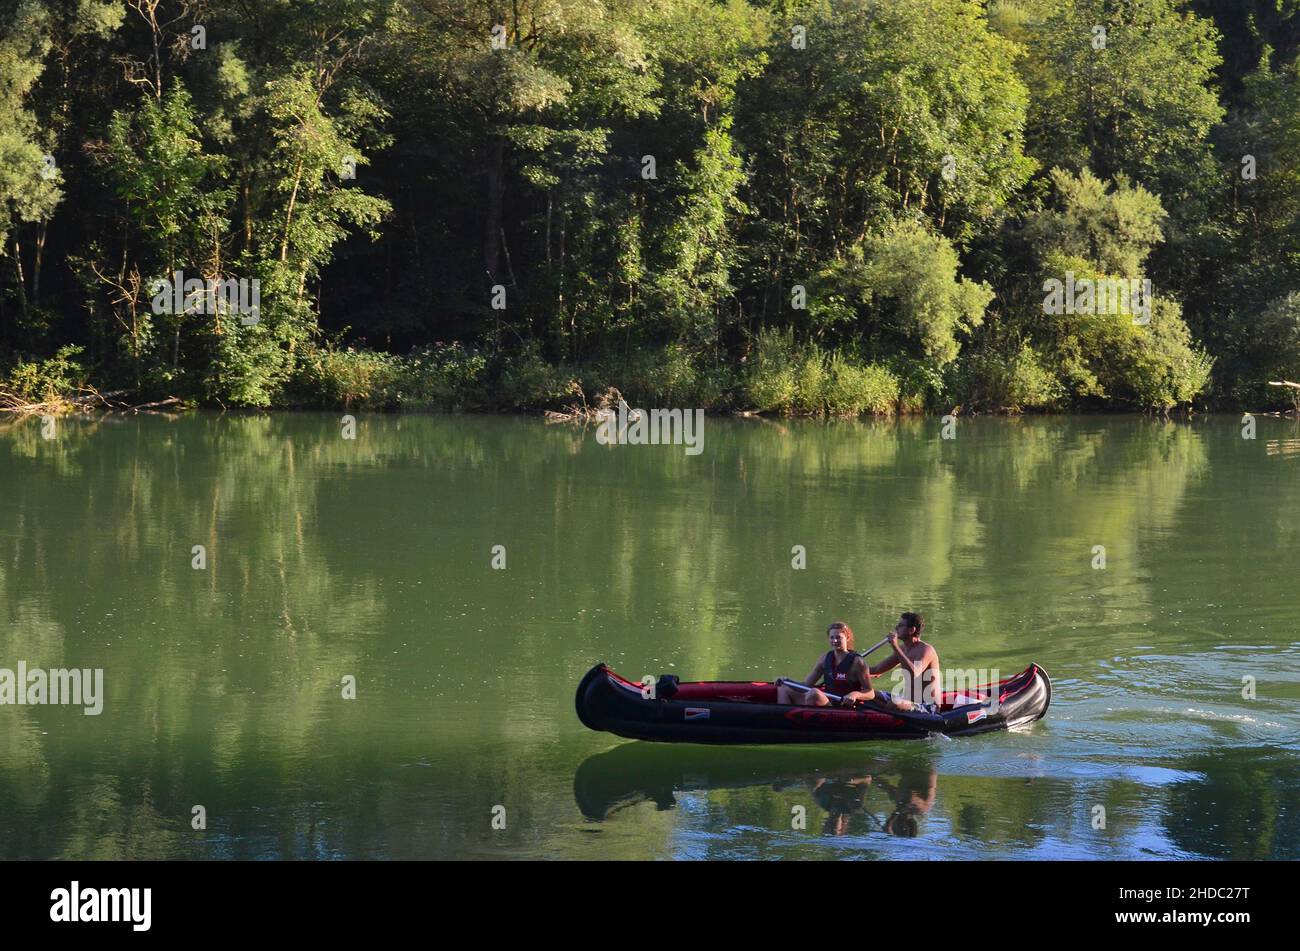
(919, 659)
(841, 672)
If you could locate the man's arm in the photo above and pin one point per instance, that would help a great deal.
(889, 663)
(901, 658)
(936, 678)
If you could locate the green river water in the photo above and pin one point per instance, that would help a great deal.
(371, 558)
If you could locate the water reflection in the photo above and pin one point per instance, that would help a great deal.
(892, 793)
(370, 557)
(1237, 804)
(1247, 806)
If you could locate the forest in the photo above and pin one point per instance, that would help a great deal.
(827, 208)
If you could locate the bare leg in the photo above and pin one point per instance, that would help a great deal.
(890, 700)
(801, 698)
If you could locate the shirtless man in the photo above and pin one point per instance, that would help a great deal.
(921, 662)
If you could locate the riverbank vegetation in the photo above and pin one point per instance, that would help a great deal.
(832, 207)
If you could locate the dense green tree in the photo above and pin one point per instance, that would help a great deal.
(899, 289)
(161, 172)
(872, 110)
(29, 175)
(1126, 89)
(1135, 349)
(663, 198)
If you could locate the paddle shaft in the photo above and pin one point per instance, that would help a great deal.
(879, 644)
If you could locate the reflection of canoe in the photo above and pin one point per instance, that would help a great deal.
(634, 772)
(742, 712)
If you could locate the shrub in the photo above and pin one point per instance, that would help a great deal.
(783, 377)
(1270, 351)
(443, 376)
(349, 378)
(810, 381)
(853, 389)
(44, 381)
(667, 376)
(770, 382)
(1008, 383)
(1163, 369)
(527, 381)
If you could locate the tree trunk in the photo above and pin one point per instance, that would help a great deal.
(288, 214)
(22, 287)
(36, 265)
(495, 193)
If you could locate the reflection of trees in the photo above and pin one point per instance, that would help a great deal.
(1247, 806)
(1043, 493)
(370, 557)
(205, 671)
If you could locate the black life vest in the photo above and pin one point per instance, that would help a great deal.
(841, 679)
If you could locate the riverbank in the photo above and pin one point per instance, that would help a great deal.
(771, 375)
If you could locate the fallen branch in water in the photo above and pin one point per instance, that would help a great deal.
(50, 406)
(585, 412)
(1295, 397)
(145, 407)
(87, 398)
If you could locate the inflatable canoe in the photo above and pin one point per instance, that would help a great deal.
(747, 712)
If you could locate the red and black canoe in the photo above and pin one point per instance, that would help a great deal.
(747, 712)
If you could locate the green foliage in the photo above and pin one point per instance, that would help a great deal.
(1271, 352)
(528, 381)
(1115, 228)
(29, 191)
(670, 376)
(439, 377)
(894, 108)
(44, 381)
(809, 382)
(899, 289)
(770, 380)
(784, 377)
(1119, 352)
(162, 173)
(997, 382)
(349, 378)
(1161, 366)
(698, 244)
(1243, 279)
(157, 160)
(651, 183)
(1141, 105)
(852, 389)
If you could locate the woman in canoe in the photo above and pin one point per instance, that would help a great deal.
(841, 672)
